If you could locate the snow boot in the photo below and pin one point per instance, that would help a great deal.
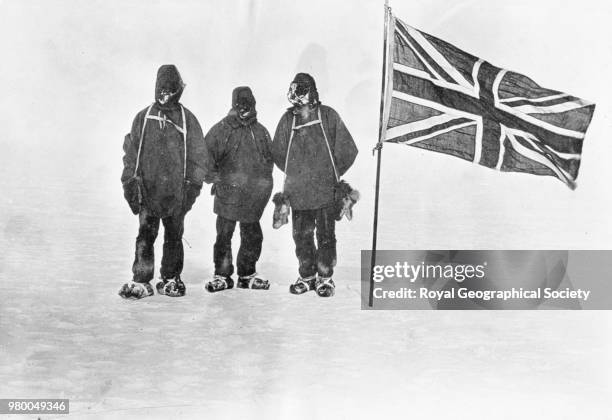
(303, 285)
(254, 281)
(133, 290)
(325, 287)
(219, 283)
(171, 287)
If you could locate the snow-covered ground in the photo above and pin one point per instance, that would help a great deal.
(73, 80)
(256, 354)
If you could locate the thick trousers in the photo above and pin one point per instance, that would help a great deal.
(251, 239)
(172, 257)
(319, 259)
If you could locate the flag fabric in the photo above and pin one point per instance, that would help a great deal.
(443, 99)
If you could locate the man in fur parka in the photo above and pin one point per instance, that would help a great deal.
(314, 149)
(241, 173)
(163, 170)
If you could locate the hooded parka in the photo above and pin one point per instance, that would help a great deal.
(241, 162)
(164, 163)
(310, 179)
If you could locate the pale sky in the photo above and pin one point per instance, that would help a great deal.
(76, 73)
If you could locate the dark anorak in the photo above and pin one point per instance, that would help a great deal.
(162, 159)
(310, 180)
(241, 168)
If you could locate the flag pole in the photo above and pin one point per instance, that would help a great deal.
(378, 150)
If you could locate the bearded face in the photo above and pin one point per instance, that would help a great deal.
(244, 109)
(243, 103)
(165, 95)
(299, 94)
(168, 86)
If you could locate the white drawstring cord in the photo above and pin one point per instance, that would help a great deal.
(144, 124)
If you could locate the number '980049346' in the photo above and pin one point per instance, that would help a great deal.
(34, 406)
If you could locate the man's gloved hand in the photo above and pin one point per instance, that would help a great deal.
(191, 191)
(345, 199)
(213, 178)
(282, 209)
(215, 181)
(132, 194)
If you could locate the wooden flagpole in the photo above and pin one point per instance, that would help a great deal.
(378, 149)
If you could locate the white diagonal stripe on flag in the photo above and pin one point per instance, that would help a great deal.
(537, 157)
(434, 105)
(529, 118)
(476, 119)
(532, 129)
(420, 125)
(416, 73)
(551, 109)
(543, 124)
(542, 99)
(418, 54)
(437, 133)
(437, 57)
(538, 144)
(438, 82)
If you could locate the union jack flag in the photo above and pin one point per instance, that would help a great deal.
(443, 99)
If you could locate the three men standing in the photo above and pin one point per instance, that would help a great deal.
(167, 159)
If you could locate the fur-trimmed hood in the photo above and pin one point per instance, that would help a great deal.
(168, 79)
(242, 98)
